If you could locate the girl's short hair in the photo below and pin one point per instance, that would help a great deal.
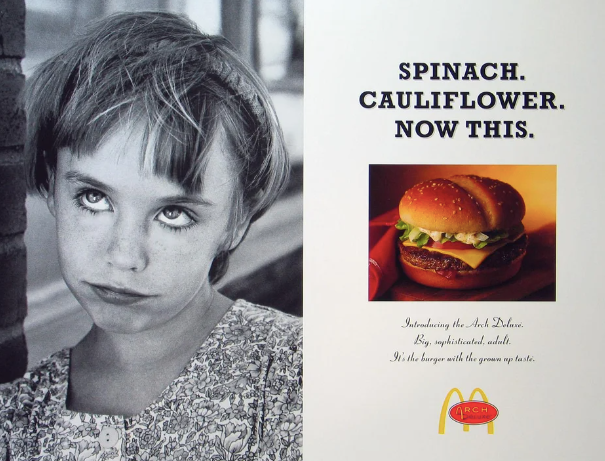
(186, 86)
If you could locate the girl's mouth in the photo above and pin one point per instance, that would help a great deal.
(117, 295)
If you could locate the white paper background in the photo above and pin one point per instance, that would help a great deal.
(358, 405)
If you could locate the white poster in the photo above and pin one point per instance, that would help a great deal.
(405, 92)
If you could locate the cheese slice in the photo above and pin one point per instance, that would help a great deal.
(473, 257)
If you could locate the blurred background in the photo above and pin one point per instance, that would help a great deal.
(267, 267)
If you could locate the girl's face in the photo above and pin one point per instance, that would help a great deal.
(136, 249)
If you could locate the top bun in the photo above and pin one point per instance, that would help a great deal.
(462, 203)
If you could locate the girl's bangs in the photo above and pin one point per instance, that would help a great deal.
(171, 146)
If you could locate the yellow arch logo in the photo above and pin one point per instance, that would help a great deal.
(465, 427)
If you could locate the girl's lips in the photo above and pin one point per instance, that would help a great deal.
(118, 296)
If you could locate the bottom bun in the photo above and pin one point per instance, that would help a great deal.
(462, 280)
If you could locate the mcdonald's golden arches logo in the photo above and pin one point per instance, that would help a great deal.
(468, 412)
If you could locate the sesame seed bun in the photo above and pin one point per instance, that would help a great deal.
(462, 203)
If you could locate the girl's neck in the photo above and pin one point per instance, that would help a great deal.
(123, 374)
(180, 337)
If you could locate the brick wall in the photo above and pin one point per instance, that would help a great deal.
(13, 307)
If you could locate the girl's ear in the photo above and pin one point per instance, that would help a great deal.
(50, 196)
(239, 233)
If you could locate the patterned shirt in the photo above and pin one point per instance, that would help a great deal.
(239, 398)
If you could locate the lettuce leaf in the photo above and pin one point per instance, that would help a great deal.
(445, 238)
(405, 227)
(421, 239)
(497, 235)
(493, 237)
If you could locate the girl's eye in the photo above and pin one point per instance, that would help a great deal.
(175, 217)
(94, 201)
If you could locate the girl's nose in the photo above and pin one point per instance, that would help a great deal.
(126, 250)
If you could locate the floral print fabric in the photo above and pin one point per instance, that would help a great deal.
(239, 398)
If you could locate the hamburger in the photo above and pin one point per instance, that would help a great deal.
(463, 232)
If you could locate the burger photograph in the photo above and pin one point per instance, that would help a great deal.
(462, 232)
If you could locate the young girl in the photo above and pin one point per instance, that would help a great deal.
(155, 147)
